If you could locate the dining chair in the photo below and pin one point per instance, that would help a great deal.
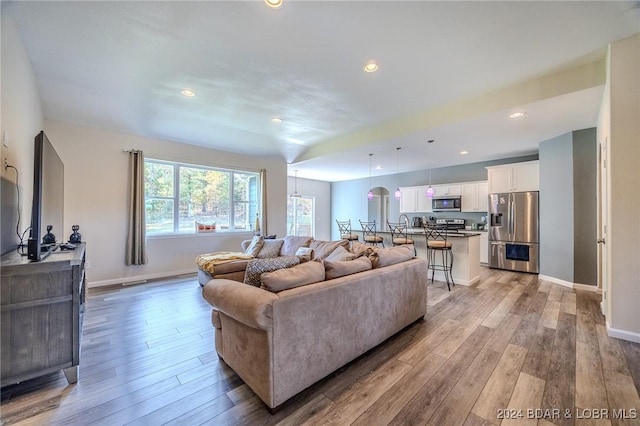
(369, 233)
(399, 234)
(344, 228)
(436, 237)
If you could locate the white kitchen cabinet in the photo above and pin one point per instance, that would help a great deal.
(408, 200)
(440, 190)
(425, 204)
(517, 177)
(475, 197)
(483, 196)
(414, 200)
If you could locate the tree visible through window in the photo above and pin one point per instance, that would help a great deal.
(178, 195)
(300, 216)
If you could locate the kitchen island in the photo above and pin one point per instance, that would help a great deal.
(464, 246)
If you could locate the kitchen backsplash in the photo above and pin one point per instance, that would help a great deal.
(469, 218)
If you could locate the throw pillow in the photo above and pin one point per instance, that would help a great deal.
(255, 245)
(389, 256)
(360, 249)
(296, 276)
(256, 267)
(322, 249)
(304, 254)
(270, 248)
(346, 267)
(292, 244)
(340, 253)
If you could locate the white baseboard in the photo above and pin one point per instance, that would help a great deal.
(623, 334)
(140, 278)
(569, 284)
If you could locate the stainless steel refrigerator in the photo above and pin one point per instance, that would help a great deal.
(513, 231)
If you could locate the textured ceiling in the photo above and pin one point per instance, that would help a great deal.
(450, 71)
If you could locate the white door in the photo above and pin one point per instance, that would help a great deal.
(603, 264)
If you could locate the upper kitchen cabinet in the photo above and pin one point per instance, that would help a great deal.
(414, 200)
(475, 197)
(439, 190)
(517, 177)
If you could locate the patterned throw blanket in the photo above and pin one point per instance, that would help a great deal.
(207, 262)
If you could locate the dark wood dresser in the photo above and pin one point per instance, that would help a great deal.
(41, 314)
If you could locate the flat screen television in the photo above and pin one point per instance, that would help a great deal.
(48, 198)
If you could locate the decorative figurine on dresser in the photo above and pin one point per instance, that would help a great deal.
(76, 237)
(49, 238)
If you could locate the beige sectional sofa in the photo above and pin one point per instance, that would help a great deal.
(282, 342)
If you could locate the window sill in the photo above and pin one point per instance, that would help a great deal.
(199, 235)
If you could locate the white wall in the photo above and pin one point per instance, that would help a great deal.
(21, 115)
(556, 224)
(623, 245)
(96, 199)
(322, 193)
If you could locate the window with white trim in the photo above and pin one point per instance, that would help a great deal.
(301, 216)
(179, 195)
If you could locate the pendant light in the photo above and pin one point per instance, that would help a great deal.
(370, 193)
(398, 193)
(295, 186)
(430, 188)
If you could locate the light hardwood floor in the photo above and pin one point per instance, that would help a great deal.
(509, 344)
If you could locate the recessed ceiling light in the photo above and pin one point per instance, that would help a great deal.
(370, 66)
(378, 167)
(273, 4)
(464, 152)
(517, 115)
(188, 93)
(277, 120)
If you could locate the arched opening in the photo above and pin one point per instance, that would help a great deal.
(379, 207)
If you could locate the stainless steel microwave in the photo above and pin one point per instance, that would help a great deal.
(447, 203)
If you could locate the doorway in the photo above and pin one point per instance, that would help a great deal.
(378, 208)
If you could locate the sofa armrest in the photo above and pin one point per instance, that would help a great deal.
(245, 303)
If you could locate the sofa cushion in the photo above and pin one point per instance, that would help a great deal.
(229, 267)
(360, 249)
(292, 244)
(340, 253)
(270, 248)
(322, 249)
(256, 267)
(296, 276)
(382, 257)
(255, 245)
(341, 268)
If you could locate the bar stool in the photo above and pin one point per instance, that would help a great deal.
(399, 234)
(344, 227)
(369, 234)
(437, 243)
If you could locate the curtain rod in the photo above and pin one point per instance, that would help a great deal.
(152, 156)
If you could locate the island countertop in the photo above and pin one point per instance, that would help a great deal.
(465, 249)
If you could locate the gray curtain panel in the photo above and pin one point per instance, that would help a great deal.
(263, 200)
(136, 252)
